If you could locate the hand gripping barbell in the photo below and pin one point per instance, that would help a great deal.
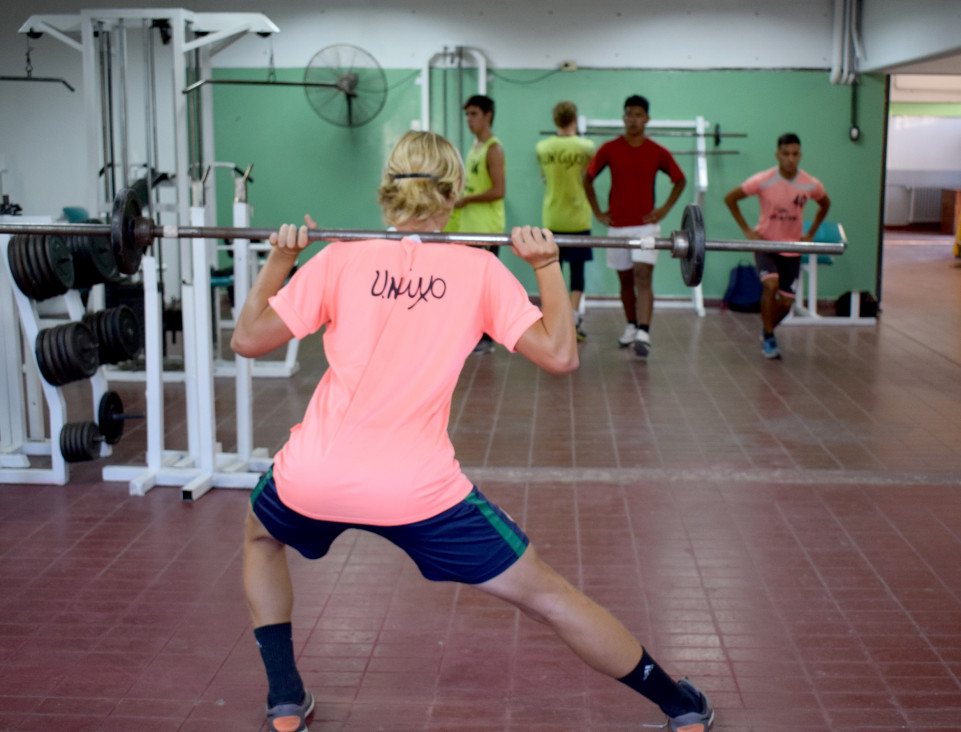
(131, 233)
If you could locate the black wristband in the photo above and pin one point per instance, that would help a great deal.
(547, 264)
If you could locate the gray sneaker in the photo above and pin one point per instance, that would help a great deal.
(290, 717)
(700, 721)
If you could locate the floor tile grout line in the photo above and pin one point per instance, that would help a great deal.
(796, 650)
(827, 588)
(907, 613)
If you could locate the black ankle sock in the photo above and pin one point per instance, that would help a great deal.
(645, 328)
(277, 651)
(767, 335)
(651, 681)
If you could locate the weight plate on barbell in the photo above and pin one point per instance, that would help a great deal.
(80, 441)
(111, 425)
(692, 265)
(123, 235)
(93, 258)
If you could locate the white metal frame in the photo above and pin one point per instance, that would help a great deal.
(805, 308)
(445, 57)
(203, 465)
(246, 265)
(23, 431)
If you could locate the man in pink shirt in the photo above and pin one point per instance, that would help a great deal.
(782, 192)
(372, 452)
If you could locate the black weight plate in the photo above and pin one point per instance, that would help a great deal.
(41, 349)
(34, 268)
(46, 279)
(83, 349)
(93, 259)
(59, 263)
(107, 341)
(60, 355)
(50, 286)
(692, 266)
(80, 441)
(127, 334)
(70, 366)
(111, 426)
(45, 346)
(92, 321)
(84, 273)
(101, 255)
(59, 368)
(123, 240)
(17, 267)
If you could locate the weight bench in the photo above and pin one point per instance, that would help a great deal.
(805, 310)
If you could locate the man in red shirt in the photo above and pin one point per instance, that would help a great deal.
(634, 160)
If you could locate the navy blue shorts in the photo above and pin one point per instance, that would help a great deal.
(471, 543)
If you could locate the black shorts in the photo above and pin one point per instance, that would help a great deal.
(471, 542)
(575, 254)
(786, 269)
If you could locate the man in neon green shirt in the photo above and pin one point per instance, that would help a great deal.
(563, 158)
(480, 209)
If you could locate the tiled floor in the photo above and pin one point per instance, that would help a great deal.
(787, 533)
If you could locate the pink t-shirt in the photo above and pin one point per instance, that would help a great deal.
(633, 171)
(782, 203)
(401, 318)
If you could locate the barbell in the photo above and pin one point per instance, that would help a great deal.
(131, 233)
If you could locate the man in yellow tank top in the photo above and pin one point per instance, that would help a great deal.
(480, 209)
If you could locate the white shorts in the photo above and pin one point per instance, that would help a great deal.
(621, 259)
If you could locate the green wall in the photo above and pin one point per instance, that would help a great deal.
(916, 109)
(303, 163)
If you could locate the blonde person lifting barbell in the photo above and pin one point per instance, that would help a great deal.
(384, 304)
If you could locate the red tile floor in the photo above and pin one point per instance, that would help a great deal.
(786, 533)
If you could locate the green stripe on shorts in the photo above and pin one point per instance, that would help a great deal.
(507, 534)
(261, 484)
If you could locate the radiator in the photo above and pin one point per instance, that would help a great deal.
(925, 204)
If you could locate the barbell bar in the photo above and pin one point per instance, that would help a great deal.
(131, 233)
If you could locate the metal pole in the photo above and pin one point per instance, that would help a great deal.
(562, 240)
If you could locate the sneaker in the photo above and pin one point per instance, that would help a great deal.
(770, 347)
(578, 322)
(627, 338)
(290, 717)
(642, 343)
(484, 345)
(700, 721)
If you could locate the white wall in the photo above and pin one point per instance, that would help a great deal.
(898, 32)
(923, 153)
(43, 141)
(41, 126)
